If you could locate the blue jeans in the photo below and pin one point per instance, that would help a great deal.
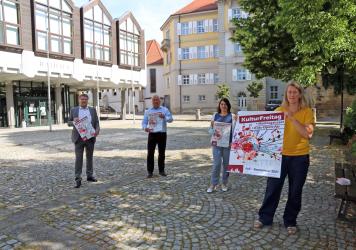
(220, 155)
(296, 167)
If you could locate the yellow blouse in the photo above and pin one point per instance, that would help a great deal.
(293, 143)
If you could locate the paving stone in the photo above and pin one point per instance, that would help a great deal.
(169, 213)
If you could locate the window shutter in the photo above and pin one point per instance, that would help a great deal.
(179, 54)
(190, 53)
(211, 50)
(234, 74)
(229, 14)
(194, 52)
(211, 78)
(207, 51)
(194, 27)
(206, 25)
(195, 79)
(179, 29)
(179, 79)
(248, 75)
(211, 25)
(190, 31)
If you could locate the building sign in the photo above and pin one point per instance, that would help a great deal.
(56, 66)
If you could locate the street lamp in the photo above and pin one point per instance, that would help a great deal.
(132, 87)
(49, 115)
(97, 81)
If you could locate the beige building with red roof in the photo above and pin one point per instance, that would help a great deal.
(199, 55)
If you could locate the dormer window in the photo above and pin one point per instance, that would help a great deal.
(53, 18)
(130, 43)
(97, 35)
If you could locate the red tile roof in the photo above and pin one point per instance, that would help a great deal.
(154, 53)
(197, 6)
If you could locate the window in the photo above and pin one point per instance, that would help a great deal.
(54, 18)
(216, 77)
(215, 25)
(201, 98)
(238, 13)
(243, 74)
(201, 79)
(237, 48)
(200, 27)
(185, 53)
(184, 28)
(216, 51)
(185, 79)
(97, 35)
(10, 22)
(273, 92)
(186, 98)
(201, 52)
(130, 43)
(153, 80)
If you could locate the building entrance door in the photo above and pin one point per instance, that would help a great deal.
(32, 111)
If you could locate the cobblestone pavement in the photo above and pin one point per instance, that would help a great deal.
(40, 209)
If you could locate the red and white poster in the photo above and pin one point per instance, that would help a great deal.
(257, 142)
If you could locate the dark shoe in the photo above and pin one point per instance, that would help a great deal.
(78, 183)
(91, 179)
(163, 174)
(150, 175)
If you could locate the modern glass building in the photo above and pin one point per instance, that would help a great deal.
(77, 46)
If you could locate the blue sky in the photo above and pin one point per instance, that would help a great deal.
(151, 14)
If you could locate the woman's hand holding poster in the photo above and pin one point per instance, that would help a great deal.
(257, 141)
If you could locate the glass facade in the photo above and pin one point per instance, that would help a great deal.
(10, 22)
(54, 17)
(130, 48)
(97, 35)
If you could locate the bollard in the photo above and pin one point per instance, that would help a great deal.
(197, 115)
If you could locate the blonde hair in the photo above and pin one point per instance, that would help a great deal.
(302, 99)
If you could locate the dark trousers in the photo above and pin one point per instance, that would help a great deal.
(296, 167)
(80, 145)
(154, 139)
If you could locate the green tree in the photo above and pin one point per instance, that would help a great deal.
(223, 91)
(299, 39)
(255, 88)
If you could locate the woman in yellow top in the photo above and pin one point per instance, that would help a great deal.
(299, 126)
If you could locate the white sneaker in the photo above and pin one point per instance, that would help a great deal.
(211, 189)
(224, 188)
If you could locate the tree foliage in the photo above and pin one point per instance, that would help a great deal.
(223, 91)
(255, 88)
(299, 39)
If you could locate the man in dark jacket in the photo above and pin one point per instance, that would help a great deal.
(76, 114)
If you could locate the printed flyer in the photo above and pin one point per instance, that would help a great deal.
(155, 123)
(221, 136)
(257, 142)
(84, 128)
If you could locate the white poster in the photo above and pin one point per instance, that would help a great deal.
(155, 123)
(221, 136)
(257, 141)
(84, 128)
